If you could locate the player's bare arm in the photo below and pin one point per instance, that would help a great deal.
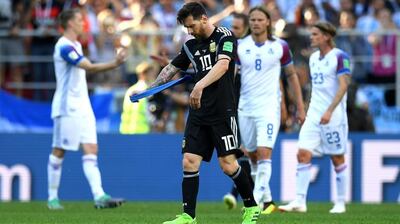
(344, 82)
(295, 86)
(100, 67)
(165, 75)
(216, 72)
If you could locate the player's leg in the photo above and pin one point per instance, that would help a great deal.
(303, 178)
(196, 146)
(225, 141)
(65, 137)
(267, 127)
(54, 170)
(341, 182)
(230, 166)
(244, 162)
(230, 199)
(88, 138)
(309, 139)
(340, 165)
(190, 188)
(262, 191)
(190, 183)
(335, 144)
(248, 135)
(93, 176)
(91, 169)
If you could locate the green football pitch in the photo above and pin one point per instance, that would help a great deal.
(207, 213)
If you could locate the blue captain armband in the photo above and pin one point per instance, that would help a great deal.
(70, 55)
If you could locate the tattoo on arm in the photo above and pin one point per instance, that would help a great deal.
(165, 75)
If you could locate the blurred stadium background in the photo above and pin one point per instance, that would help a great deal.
(145, 166)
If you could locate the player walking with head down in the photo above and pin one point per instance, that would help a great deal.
(211, 122)
(261, 57)
(74, 121)
(325, 129)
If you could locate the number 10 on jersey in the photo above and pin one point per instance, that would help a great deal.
(206, 62)
(230, 142)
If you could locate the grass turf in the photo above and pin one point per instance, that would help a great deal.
(207, 213)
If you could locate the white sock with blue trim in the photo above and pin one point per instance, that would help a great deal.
(341, 181)
(54, 168)
(92, 174)
(303, 178)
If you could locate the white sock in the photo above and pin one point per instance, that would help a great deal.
(262, 192)
(54, 168)
(92, 174)
(341, 181)
(302, 182)
(265, 166)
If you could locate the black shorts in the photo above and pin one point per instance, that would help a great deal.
(202, 139)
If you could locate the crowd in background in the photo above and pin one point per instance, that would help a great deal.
(29, 30)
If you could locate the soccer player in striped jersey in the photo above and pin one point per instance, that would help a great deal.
(72, 114)
(325, 129)
(260, 58)
(211, 122)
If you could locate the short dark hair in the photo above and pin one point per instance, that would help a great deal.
(242, 17)
(194, 9)
(66, 16)
(245, 20)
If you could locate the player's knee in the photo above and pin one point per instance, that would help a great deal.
(264, 153)
(89, 148)
(190, 164)
(253, 157)
(229, 167)
(59, 153)
(338, 160)
(304, 156)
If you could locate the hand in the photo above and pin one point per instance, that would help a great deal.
(134, 92)
(301, 116)
(121, 55)
(195, 97)
(326, 117)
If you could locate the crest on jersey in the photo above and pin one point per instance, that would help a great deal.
(213, 48)
(247, 51)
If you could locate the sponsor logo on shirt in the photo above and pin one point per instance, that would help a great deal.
(228, 46)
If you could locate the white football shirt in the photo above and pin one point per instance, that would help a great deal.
(71, 97)
(324, 73)
(260, 68)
